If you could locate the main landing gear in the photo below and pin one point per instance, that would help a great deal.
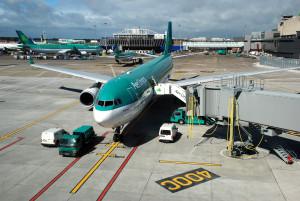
(117, 136)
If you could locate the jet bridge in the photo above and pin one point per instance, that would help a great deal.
(169, 88)
(270, 113)
(238, 100)
(253, 104)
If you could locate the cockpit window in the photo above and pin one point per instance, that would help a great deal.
(101, 103)
(109, 103)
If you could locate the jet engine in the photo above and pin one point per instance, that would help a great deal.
(88, 95)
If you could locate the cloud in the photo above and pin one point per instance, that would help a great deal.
(191, 18)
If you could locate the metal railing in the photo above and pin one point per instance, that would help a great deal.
(243, 82)
(279, 62)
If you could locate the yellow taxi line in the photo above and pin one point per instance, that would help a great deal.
(95, 167)
(34, 122)
(189, 163)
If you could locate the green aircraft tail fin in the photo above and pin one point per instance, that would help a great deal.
(168, 40)
(30, 61)
(24, 39)
(116, 49)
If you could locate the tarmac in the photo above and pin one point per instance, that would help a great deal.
(33, 100)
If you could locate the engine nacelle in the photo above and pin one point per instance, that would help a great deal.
(88, 95)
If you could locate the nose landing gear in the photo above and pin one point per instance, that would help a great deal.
(117, 136)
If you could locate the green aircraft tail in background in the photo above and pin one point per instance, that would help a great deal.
(56, 48)
(168, 40)
(116, 50)
(24, 39)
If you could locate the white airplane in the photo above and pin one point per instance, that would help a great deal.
(9, 46)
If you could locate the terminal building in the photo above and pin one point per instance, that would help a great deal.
(284, 41)
(204, 43)
(135, 39)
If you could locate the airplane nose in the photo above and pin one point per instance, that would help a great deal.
(102, 117)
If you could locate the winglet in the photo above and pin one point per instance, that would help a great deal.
(169, 39)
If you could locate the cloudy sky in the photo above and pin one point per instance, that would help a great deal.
(97, 18)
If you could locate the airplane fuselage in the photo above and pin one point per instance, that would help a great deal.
(60, 48)
(125, 57)
(123, 98)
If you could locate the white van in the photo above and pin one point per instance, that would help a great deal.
(167, 132)
(52, 136)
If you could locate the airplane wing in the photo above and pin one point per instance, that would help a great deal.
(174, 57)
(199, 80)
(184, 55)
(149, 55)
(86, 75)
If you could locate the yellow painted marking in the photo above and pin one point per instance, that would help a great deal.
(175, 186)
(189, 163)
(119, 146)
(293, 133)
(94, 168)
(28, 125)
(110, 155)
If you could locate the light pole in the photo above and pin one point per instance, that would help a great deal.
(105, 35)
(180, 41)
(95, 27)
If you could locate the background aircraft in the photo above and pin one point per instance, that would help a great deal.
(7, 47)
(58, 48)
(126, 57)
(118, 100)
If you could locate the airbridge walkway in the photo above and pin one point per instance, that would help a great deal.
(272, 110)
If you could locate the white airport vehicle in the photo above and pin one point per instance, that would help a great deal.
(52, 136)
(168, 132)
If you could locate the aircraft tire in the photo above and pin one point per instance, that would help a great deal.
(116, 138)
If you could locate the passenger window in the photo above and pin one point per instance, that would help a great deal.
(117, 101)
